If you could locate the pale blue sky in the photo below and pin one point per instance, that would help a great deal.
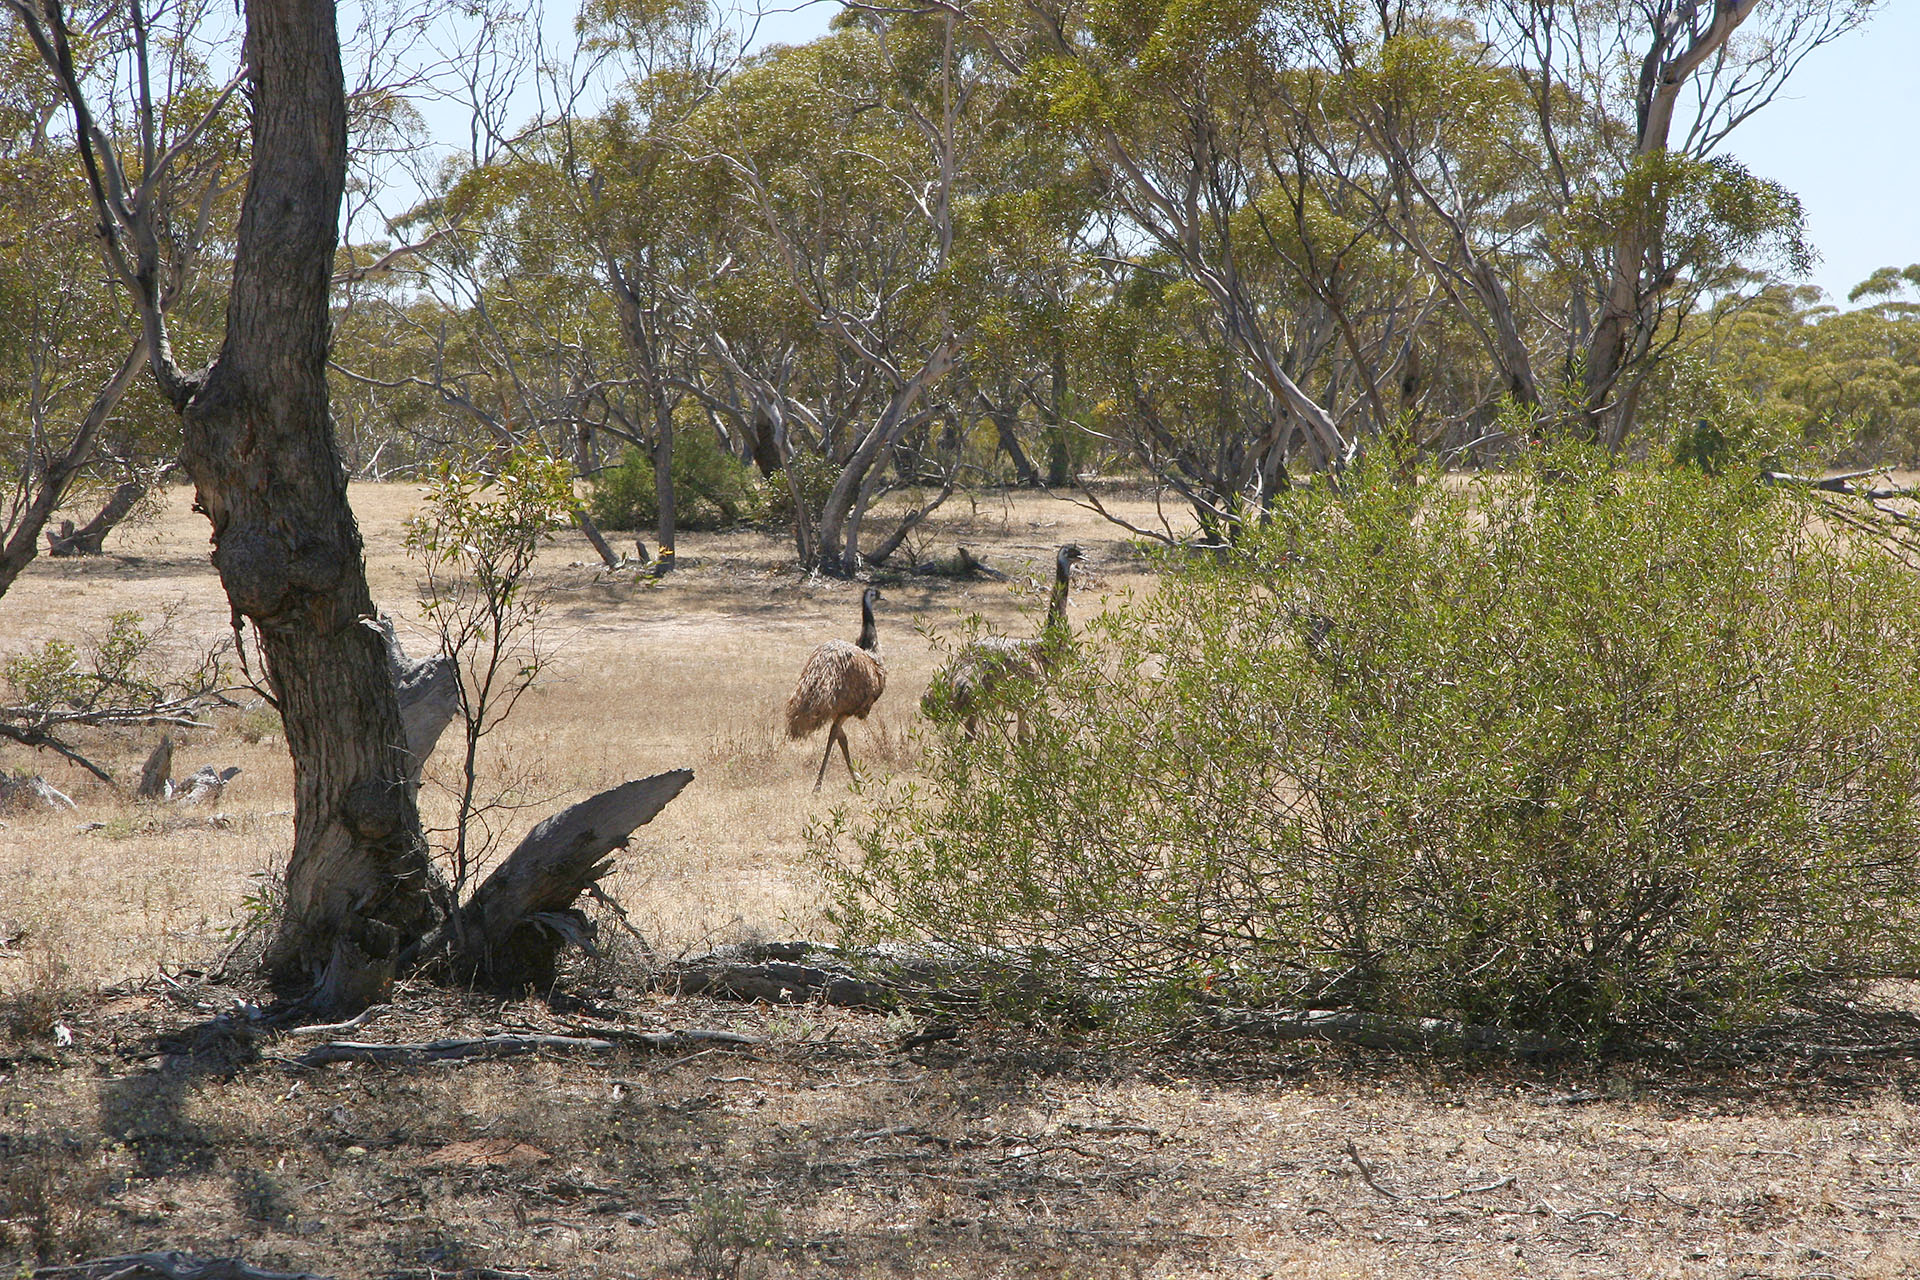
(1845, 138)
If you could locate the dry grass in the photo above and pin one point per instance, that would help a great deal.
(825, 1152)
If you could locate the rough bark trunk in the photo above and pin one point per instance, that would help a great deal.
(260, 448)
(1005, 422)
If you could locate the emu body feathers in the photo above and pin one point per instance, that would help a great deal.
(840, 681)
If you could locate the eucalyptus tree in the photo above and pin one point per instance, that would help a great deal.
(645, 208)
(259, 444)
(1631, 105)
(856, 152)
(1416, 171)
(1844, 382)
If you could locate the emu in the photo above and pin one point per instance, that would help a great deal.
(984, 666)
(839, 680)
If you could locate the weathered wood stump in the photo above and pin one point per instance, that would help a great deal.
(511, 931)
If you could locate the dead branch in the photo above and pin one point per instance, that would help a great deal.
(511, 930)
(496, 1046)
(335, 1028)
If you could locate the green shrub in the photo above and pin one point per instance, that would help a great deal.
(1593, 752)
(712, 489)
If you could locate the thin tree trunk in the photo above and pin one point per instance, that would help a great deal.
(1059, 459)
(839, 519)
(591, 532)
(260, 447)
(663, 480)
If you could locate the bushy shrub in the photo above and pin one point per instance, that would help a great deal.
(1587, 751)
(712, 489)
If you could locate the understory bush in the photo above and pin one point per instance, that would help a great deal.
(712, 489)
(1596, 752)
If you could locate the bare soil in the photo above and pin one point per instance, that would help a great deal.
(141, 1108)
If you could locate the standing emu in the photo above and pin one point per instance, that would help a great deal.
(985, 666)
(839, 680)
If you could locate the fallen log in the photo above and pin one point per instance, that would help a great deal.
(30, 791)
(1378, 1031)
(964, 565)
(169, 1265)
(887, 978)
(204, 783)
(513, 1045)
(881, 978)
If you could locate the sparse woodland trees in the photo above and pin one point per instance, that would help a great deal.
(73, 411)
(1220, 246)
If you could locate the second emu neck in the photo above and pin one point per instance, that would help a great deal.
(869, 634)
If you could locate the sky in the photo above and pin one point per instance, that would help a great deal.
(1844, 136)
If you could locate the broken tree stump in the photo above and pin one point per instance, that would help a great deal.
(511, 932)
(157, 773)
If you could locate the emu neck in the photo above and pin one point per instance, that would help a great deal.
(869, 633)
(1057, 606)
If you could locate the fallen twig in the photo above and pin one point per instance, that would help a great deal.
(335, 1028)
(1366, 1173)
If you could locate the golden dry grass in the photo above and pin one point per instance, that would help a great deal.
(645, 676)
(988, 1156)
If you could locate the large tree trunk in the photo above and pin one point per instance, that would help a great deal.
(259, 445)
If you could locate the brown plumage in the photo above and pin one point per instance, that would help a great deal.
(988, 664)
(840, 680)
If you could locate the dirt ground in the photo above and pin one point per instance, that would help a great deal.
(141, 1109)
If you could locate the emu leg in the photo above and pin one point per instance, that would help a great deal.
(826, 755)
(843, 751)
